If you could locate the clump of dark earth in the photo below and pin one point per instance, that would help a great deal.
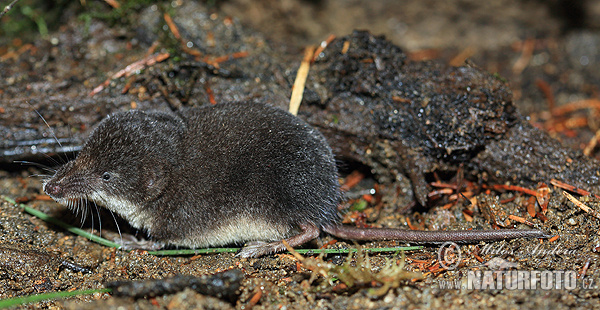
(375, 103)
(223, 285)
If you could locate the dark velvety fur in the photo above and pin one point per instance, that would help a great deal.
(250, 157)
(196, 169)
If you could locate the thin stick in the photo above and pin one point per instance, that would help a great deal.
(571, 188)
(460, 59)
(300, 81)
(581, 205)
(520, 220)
(8, 8)
(172, 26)
(547, 91)
(592, 144)
(113, 3)
(322, 47)
(526, 53)
(515, 188)
(131, 69)
(576, 105)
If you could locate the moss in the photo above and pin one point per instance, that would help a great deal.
(123, 15)
(30, 18)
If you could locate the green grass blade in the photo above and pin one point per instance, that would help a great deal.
(18, 301)
(193, 252)
(45, 217)
(301, 251)
(352, 250)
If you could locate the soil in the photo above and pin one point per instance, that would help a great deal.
(509, 137)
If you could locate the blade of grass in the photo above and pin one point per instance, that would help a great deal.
(352, 250)
(45, 217)
(18, 301)
(193, 252)
(302, 251)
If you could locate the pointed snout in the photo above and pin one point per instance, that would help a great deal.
(54, 190)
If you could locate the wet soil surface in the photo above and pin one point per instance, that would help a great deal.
(417, 132)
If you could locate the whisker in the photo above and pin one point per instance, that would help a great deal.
(99, 219)
(50, 128)
(115, 220)
(40, 176)
(91, 212)
(70, 137)
(54, 161)
(39, 165)
(83, 209)
(117, 224)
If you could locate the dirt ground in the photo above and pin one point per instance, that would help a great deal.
(546, 50)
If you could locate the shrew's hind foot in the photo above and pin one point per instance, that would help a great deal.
(130, 242)
(259, 248)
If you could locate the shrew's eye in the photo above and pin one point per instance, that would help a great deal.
(106, 176)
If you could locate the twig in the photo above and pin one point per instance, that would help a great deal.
(300, 81)
(547, 91)
(152, 48)
(514, 188)
(444, 185)
(131, 69)
(352, 180)
(15, 54)
(8, 8)
(254, 300)
(520, 220)
(424, 54)
(526, 53)
(571, 188)
(172, 26)
(322, 47)
(587, 151)
(210, 93)
(113, 3)
(585, 268)
(576, 105)
(345, 47)
(460, 59)
(291, 250)
(442, 191)
(581, 205)
(216, 61)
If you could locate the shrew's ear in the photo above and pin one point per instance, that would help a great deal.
(154, 181)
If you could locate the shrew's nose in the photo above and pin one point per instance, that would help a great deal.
(53, 190)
